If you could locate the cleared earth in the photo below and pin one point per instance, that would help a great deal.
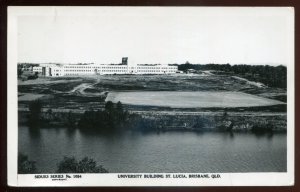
(85, 93)
(189, 99)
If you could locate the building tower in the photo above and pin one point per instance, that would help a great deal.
(124, 60)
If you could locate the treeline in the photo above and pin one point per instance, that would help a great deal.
(26, 67)
(272, 76)
(37, 119)
(67, 165)
(113, 118)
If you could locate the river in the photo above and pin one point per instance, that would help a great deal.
(157, 152)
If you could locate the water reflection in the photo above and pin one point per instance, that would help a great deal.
(268, 135)
(34, 133)
(173, 151)
(70, 132)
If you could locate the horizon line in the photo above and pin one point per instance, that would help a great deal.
(63, 63)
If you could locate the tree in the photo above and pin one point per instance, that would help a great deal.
(109, 106)
(111, 119)
(110, 115)
(121, 115)
(25, 166)
(35, 109)
(86, 165)
(225, 123)
(225, 115)
(67, 165)
(119, 107)
(20, 72)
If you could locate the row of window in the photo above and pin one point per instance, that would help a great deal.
(114, 71)
(68, 74)
(157, 68)
(77, 67)
(110, 67)
(78, 70)
(117, 71)
(94, 67)
(154, 71)
(81, 71)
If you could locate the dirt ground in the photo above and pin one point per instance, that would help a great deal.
(190, 99)
(82, 93)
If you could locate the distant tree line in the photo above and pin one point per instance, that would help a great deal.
(26, 66)
(273, 76)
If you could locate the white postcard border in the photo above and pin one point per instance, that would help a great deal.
(227, 179)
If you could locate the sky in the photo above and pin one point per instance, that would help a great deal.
(155, 35)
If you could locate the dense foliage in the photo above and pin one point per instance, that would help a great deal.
(269, 75)
(262, 127)
(35, 110)
(112, 118)
(25, 166)
(85, 165)
(67, 165)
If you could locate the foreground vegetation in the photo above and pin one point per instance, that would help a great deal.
(26, 166)
(85, 165)
(67, 165)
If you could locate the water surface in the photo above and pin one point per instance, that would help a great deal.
(158, 152)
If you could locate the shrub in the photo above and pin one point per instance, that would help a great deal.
(25, 166)
(86, 165)
(260, 128)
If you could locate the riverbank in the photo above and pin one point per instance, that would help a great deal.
(177, 121)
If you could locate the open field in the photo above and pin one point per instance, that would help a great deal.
(30, 97)
(179, 99)
(83, 93)
(175, 82)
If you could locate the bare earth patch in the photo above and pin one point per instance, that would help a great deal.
(186, 99)
(29, 97)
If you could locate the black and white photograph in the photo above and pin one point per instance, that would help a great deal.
(150, 96)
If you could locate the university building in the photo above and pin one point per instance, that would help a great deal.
(57, 70)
